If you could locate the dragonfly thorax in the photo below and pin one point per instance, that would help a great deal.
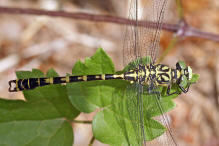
(158, 74)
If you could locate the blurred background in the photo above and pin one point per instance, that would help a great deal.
(43, 42)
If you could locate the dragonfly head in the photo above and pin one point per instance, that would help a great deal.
(184, 70)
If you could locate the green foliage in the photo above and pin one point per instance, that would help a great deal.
(43, 118)
(40, 119)
(182, 64)
(95, 94)
(194, 79)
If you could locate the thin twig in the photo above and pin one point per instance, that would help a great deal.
(91, 141)
(187, 31)
(82, 122)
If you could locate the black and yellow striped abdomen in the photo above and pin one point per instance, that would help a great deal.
(31, 83)
(159, 74)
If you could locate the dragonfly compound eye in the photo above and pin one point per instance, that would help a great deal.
(190, 72)
(180, 65)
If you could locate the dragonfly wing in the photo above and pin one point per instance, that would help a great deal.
(163, 107)
(135, 109)
(138, 113)
(142, 38)
(168, 137)
(129, 116)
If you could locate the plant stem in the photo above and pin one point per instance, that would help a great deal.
(91, 141)
(82, 122)
(188, 31)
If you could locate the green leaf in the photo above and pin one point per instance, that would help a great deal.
(99, 63)
(118, 129)
(40, 120)
(195, 78)
(87, 96)
(36, 132)
(182, 64)
(48, 101)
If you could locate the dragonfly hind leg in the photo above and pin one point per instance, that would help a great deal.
(185, 90)
(151, 90)
(168, 91)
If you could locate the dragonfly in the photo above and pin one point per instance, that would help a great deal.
(140, 50)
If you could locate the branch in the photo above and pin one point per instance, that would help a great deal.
(82, 122)
(182, 30)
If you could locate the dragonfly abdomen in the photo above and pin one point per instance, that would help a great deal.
(31, 83)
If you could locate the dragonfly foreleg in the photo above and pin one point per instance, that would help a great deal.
(168, 91)
(185, 90)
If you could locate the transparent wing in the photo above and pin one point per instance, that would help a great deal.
(135, 108)
(168, 137)
(141, 116)
(139, 42)
(143, 41)
(148, 124)
(128, 112)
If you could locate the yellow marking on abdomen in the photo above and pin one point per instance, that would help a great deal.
(103, 77)
(84, 78)
(17, 85)
(51, 80)
(132, 75)
(63, 79)
(28, 83)
(118, 76)
(67, 80)
(38, 81)
(47, 80)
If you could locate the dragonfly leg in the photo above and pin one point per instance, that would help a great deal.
(152, 90)
(168, 91)
(185, 90)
